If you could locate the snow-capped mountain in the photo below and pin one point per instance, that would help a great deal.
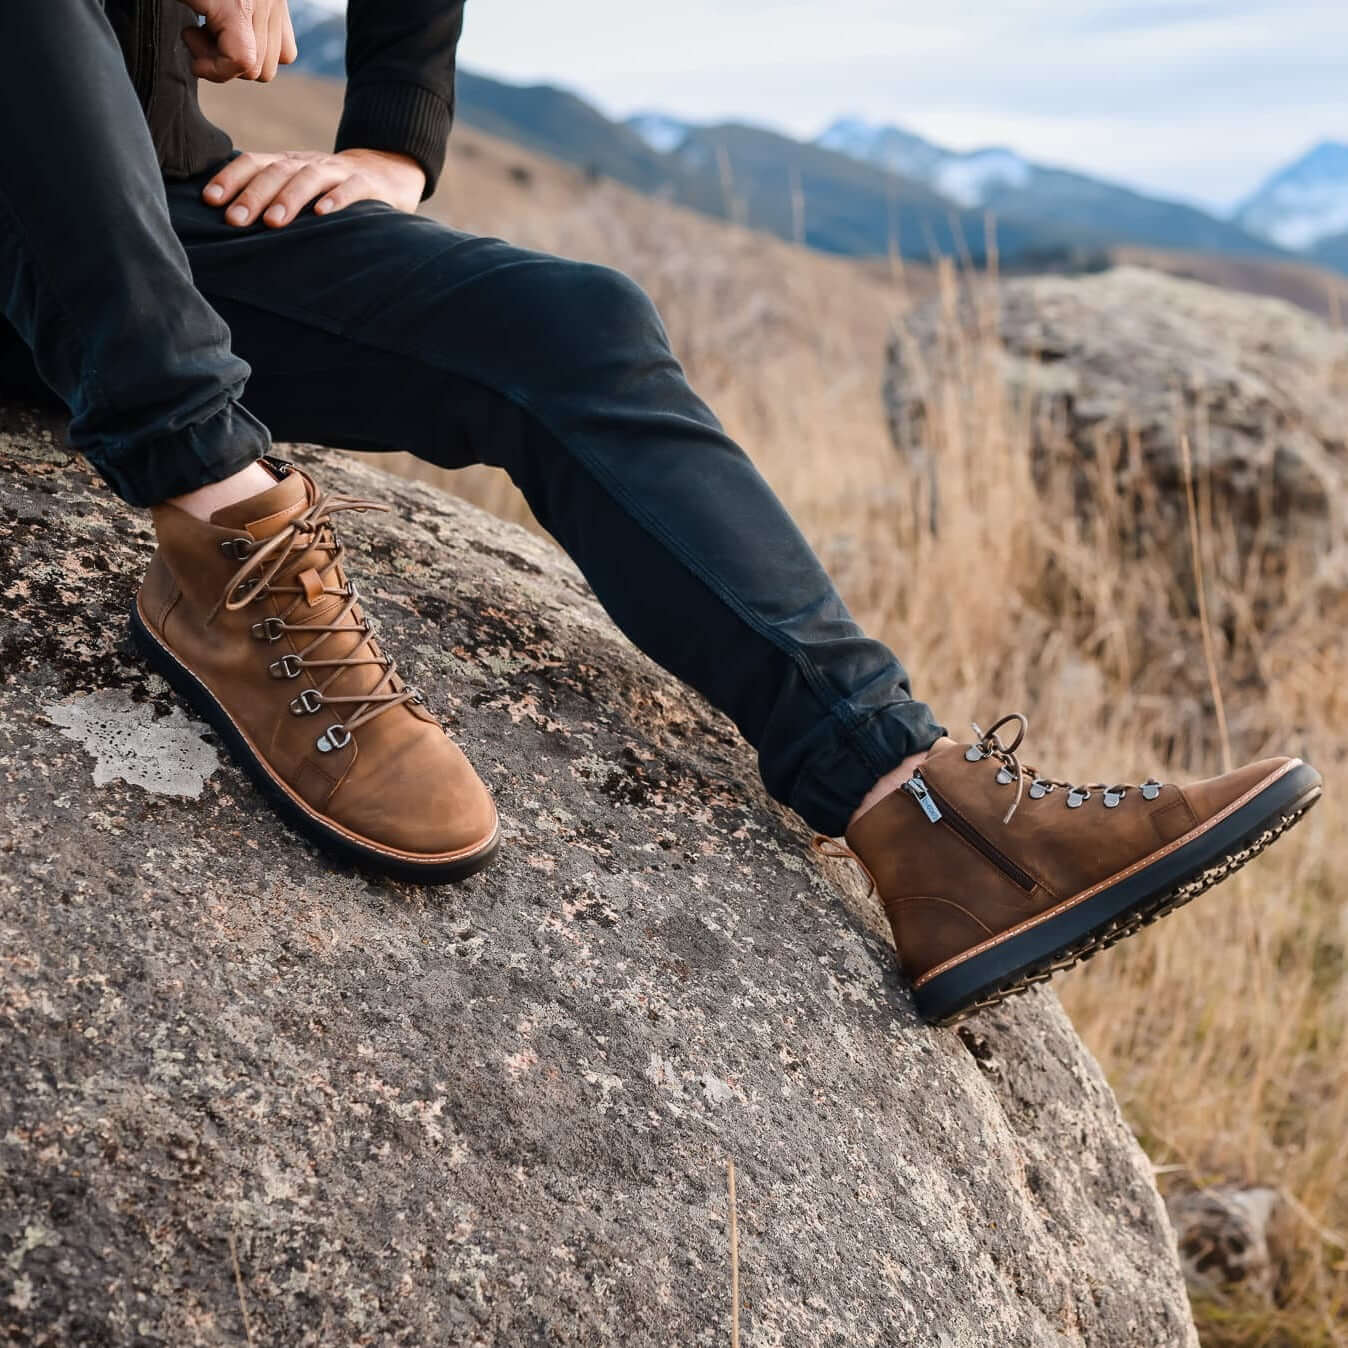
(886, 147)
(663, 134)
(1303, 203)
(973, 179)
(970, 178)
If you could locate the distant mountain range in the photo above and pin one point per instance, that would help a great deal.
(1087, 209)
(861, 189)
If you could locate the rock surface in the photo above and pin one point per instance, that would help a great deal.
(1122, 364)
(248, 1097)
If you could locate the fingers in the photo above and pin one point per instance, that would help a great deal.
(235, 175)
(260, 192)
(227, 47)
(267, 26)
(208, 61)
(276, 188)
(309, 182)
(274, 39)
(290, 50)
(355, 188)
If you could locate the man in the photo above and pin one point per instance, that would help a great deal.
(142, 265)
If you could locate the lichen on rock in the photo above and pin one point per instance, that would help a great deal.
(499, 1113)
(129, 743)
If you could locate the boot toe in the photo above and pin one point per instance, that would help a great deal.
(1212, 795)
(424, 801)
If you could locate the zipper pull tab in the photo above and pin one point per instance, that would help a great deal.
(917, 788)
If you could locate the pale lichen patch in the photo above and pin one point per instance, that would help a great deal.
(128, 743)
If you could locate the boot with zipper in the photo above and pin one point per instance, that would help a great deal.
(994, 877)
(252, 619)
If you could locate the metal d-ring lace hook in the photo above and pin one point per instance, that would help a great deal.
(989, 745)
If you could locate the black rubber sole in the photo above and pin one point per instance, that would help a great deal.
(293, 813)
(1075, 934)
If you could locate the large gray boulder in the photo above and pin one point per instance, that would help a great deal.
(1120, 366)
(247, 1096)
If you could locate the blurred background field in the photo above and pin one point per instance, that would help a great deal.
(1224, 1030)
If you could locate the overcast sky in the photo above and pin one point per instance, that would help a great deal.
(1197, 100)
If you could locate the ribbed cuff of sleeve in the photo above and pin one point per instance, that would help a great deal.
(403, 118)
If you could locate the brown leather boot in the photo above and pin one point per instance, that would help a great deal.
(994, 877)
(252, 620)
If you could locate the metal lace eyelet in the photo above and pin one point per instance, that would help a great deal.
(1038, 789)
(287, 667)
(1077, 798)
(244, 588)
(308, 702)
(974, 754)
(1151, 789)
(334, 737)
(269, 629)
(418, 696)
(1113, 799)
(238, 548)
(1005, 777)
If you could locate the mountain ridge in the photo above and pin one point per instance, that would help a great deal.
(1303, 204)
(998, 178)
(857, 189)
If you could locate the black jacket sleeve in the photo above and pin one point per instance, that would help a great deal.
(400, 78)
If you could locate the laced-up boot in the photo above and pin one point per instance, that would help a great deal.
(252, 619)
(995, 876)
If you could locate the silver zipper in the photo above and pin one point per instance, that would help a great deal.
(917, 788)
(927, 799)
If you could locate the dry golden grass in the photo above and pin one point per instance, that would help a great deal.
(1222, 1029)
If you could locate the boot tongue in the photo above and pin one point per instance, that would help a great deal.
(269, 511)
(264, 516)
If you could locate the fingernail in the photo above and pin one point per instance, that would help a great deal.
(276, 214)
(214, 193)
(238, 214)
(323, 207)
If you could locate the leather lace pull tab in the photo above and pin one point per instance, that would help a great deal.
(312, 583)
(836, 851)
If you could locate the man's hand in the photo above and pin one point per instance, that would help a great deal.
(277, 187)
(242, 39)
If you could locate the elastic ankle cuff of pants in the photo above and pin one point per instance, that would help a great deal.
(837, 775)
(156, 470)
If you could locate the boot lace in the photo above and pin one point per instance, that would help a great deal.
(261, 574)
(1011, 771)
